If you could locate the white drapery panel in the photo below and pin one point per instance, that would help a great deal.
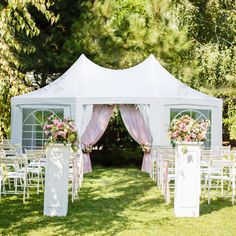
(139, 130)
(145, 111)
(97, 125)
(86, 117)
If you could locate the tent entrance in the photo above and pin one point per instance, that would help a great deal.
(116, 147)
(134, 121)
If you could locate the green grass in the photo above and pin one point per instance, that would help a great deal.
(115, 202)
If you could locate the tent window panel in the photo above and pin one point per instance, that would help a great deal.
(33, 120)
(27, 128)
(26, 143)
(27, 134)
(197, 114)
(39, 143)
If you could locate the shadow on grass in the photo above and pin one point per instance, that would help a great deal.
(105, 195)
(109, 201)
(215, 205)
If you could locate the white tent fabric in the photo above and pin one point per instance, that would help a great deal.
(85, 79)
(86, 83)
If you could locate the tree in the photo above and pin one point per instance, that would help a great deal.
(212, 28)
(45, 63)
(15, 20)
(121, 33)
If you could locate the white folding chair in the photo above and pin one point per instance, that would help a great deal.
(34, 171)
(227, 175)
(206, 169)
(165, 155)
(76, 173)
(16, 173)
(153, 163)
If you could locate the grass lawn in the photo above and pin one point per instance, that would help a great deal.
(115, 202)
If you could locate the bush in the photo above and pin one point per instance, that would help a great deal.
(117, 147)
(116, 157)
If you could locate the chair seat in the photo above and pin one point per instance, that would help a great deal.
(218, 177)
(171, 177)
(15, 175)
(34, 170)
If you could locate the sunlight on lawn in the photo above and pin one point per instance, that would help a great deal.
(115, 202)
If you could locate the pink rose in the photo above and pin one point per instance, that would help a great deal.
(175, 134)
(185, 129)
(193, 135)
(187, 138)
(55, 122)
(179, 139)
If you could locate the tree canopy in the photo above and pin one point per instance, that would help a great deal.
(194, 39)
(17, 26)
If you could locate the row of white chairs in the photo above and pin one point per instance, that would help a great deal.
(217, 171)
(19, 172)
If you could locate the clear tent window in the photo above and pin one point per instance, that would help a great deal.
(32, 122)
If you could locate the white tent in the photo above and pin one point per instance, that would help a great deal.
(86, 83)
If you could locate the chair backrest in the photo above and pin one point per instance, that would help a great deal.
(34, 158)
(226, 151)
(2, 153)
(221, 152)
(206, 155)
(166, 153)
(16, 160)
(11, 149)
(41, 152)
(222, 164)
(6, 141)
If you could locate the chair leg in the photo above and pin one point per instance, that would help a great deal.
(4, 188)
(209, 190)
(1, 189)
(233, 191)
(222, 187)
(15, 184)
(38, 182)
(24, 191)
(205, 186)
(41, 176)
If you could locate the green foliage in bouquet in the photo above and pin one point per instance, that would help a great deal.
(61, 131)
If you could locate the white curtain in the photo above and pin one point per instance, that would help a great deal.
(145, 111)
(86, 117)
(94, 131)
(139, 130)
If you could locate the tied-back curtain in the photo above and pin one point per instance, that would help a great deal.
(139, 130)
(97, 125)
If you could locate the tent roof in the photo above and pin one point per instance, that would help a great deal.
(85, 79)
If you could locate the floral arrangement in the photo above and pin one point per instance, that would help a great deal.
(87, 149)
(188, 130)
(146, 148)
(61, 131)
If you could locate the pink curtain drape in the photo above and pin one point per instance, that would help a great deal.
(139, 130)
(94, 131)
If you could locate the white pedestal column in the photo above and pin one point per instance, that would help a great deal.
(56, 180)
(187, 179)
